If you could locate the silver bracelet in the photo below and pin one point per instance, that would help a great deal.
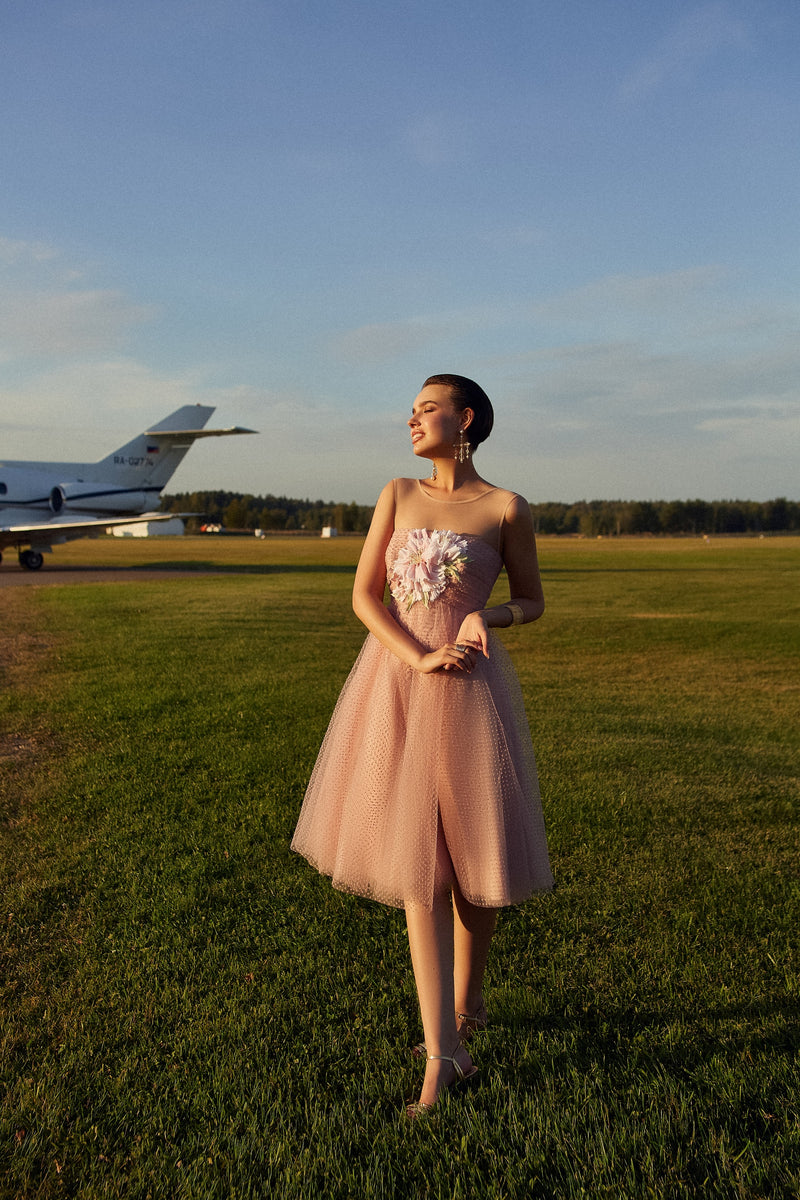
(517, 615)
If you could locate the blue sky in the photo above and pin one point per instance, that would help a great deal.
(296, 211)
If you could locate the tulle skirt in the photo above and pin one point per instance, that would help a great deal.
(403, 749)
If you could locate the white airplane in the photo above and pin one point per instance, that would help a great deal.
(43, 504)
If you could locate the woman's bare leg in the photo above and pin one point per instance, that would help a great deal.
(430, 938)
(473, 930)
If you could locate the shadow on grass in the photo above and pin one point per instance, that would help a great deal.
(204, 568)
(694, 1035)
(247, 568)
(668, 568)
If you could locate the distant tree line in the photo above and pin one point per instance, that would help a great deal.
(607, 518)
(237, 511)
(591, 518)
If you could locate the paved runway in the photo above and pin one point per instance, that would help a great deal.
(12, 575)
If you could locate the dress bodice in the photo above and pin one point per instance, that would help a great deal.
(436, 577)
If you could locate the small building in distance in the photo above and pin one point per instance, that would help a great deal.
(172, 528)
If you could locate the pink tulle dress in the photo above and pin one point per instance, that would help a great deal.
(403, 748)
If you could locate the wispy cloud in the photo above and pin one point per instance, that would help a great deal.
(65, 324)
(634, 378)
(380, 343)
(692, 40)
(44, 312)
(14, 251)
(120, 385)
(656, 292)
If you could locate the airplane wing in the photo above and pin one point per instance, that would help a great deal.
(62, 531)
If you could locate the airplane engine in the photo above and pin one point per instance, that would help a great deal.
(93, 498)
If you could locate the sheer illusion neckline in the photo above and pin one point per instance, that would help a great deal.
(442, 500)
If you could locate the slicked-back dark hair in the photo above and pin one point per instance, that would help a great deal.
(468, 394)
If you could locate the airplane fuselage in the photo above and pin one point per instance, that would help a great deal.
(31, 489)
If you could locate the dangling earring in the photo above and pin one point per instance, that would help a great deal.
(434, 472)
(462, 448)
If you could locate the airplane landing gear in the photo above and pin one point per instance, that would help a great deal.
(31, 559)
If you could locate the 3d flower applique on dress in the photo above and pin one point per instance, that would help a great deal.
(426, 564)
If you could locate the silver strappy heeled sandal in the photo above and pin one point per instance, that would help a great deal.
(416, 1108)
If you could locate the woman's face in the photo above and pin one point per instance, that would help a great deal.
(435, 423)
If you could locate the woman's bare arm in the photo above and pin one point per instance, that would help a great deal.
(522, 566)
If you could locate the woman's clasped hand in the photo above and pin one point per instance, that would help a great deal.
(454, 656)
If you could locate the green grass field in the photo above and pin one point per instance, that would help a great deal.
(188, 1010)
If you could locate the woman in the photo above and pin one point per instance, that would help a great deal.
(425, 794)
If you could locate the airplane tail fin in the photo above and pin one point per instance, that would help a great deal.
(151, 459)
